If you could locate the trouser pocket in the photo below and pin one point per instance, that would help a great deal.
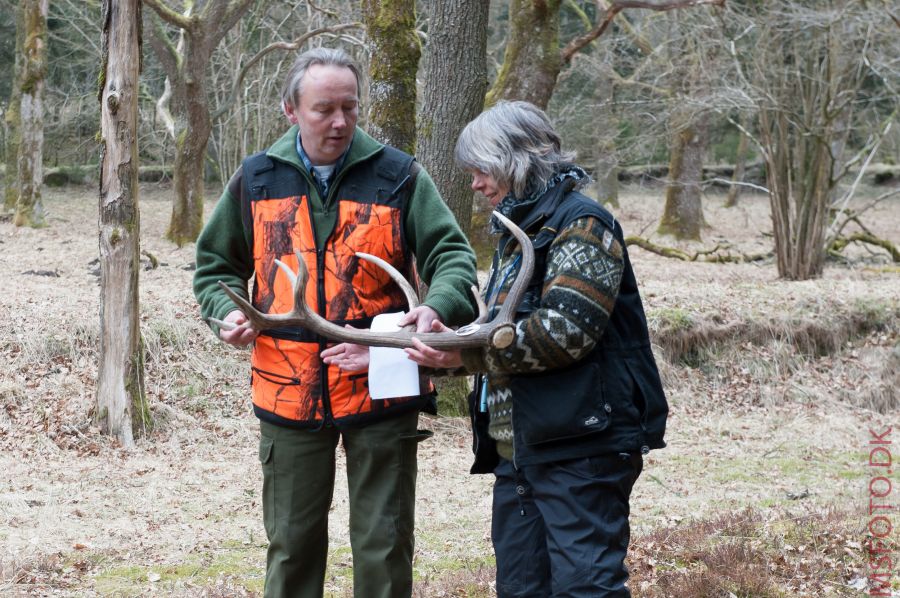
(266, 448)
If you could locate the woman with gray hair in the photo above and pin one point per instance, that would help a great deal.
(563, 416)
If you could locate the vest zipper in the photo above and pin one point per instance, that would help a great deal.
(327, 416)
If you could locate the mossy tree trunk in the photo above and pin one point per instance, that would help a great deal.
(30, 84)
(394, 51)
(532, 60)
(121, 403)
(455, 82)
(204, 24)
(13, 120)
(192, 129)
(683, 211)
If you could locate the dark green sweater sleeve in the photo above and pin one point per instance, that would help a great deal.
(444, 259)
(223, 253)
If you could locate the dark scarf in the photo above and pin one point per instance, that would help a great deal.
(517, 208)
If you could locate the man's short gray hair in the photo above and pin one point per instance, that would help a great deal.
(290, 92)
(515, 144)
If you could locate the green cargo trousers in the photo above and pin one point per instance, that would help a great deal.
(298, 485)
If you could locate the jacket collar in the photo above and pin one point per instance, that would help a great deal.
(362, 147)
(545, 205)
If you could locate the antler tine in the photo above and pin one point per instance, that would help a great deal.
(299, 281)
(482, 308)
(287, 270)
(261, 321)
(514, 297)
(412, 297)
(254, 316)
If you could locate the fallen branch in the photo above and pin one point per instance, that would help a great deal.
(703, 255)
(853, 215)
(840, 243)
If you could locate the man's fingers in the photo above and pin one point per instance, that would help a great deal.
(333, 351)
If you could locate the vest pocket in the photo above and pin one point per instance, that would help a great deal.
(277, 238)
(559, 406)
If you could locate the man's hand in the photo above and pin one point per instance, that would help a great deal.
(241, 336)
(433, 358)
(423, 317)
(347, 356)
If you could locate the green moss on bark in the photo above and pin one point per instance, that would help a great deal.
(396, 51)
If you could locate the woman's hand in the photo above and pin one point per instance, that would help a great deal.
(433, 358)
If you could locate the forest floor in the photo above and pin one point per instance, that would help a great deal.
(763, 489)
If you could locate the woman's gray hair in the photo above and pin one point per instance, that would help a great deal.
(515, 144)
(291, 90)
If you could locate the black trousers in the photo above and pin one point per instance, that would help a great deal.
(561, 529)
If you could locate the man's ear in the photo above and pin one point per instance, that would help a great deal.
(289, 113)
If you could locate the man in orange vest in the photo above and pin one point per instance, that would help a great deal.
(324, 191)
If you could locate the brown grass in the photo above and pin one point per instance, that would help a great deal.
(753, 555)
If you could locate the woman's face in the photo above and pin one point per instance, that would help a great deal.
(488, 186)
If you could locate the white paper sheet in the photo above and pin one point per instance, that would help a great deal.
(391, 372)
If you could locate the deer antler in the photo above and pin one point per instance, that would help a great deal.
(499, 333)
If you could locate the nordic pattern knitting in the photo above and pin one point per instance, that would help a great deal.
(584, 270)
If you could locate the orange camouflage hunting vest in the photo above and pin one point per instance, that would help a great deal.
(290, 384)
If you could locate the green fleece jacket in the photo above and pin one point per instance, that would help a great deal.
(444, 259)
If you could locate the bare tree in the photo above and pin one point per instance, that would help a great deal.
(203, 24)
(200, 29)
(455, 80)
(12, 119)
(394, 50)
(683, 211)
(813, 69)
(533, 57)
(691, 62)
(669, 57)
(246, 75)
(740, 165)
(121, 404)
(606, 173)
(30, 91)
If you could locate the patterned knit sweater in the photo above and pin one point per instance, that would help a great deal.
(584, 270)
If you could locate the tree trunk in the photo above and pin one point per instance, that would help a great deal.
(30, 83)
(394, 49)
(740, 166)
(683, 212)
(798, 172)
(454, 87)
(607, 166)
(121, 404)
(810, 78)
(13, 120)
(532, 60)
(203, 25)
(193, 128)
(607, 175)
